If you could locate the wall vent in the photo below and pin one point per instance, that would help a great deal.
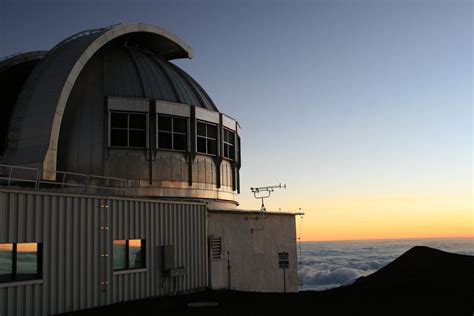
(215, 248)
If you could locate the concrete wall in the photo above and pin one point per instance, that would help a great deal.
(74, 272)
(253, 244)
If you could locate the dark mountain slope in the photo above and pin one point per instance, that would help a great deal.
(422, 281)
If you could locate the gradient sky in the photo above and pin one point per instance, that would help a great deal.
(363, 108)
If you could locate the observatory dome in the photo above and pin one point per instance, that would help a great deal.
(110, 102)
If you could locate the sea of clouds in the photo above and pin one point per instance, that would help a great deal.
(325, 265)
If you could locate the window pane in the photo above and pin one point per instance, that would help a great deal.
(135, 254)
(137, 121)
(164, 123)
(179, 142)
(232, 152)
(26, 260)
(180, 125)
(119, 255)
(137, 139)
(118, 120)
(118, 137)
(6, 251)
(229, 137)
(201, 145)
(211, 131)
(211, 146)
(164, 140)
(226, 150)
(201, 129)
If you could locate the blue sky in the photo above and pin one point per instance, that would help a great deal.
(335, 98)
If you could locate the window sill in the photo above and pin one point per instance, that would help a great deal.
(128, 271)
(134, 148)
(172, 150)
(20, 283)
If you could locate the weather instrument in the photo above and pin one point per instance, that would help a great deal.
(264, 193)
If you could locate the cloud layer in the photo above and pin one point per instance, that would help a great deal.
(325, 265)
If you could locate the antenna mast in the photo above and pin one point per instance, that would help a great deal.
(264, 193)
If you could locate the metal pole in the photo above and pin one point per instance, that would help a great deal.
(228, 270)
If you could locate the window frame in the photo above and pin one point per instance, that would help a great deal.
(172, 132)
(206, 137)
(230, 145)
(127, 129)
(127, 254)
(14, 264)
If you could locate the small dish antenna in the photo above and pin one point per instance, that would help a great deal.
(264, 193)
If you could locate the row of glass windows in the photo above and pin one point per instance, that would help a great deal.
(23, 261)
(129, 254)
(128, 130)
(20, 261)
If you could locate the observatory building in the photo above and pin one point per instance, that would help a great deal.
(118, 180)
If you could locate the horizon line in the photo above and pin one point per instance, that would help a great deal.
(383, 239)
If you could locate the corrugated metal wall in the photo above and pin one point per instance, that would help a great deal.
(69, 226)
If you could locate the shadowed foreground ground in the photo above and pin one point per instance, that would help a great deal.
(422, 281)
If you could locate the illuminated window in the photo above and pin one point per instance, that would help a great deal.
(206, 138)
(128, 254)
(20, 261)
(127, 130)
(229, 144)
(172, 132)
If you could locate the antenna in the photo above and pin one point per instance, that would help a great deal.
(265, 193)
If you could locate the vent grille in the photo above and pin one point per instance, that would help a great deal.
(215, 246)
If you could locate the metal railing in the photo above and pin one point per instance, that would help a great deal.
(33, 178)
(10, 56)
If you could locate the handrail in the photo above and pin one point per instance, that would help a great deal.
(10, 56)
(19, 175)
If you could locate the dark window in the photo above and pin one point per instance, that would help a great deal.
(206, 138)
(128, 254)
(128, 129)
(20, 261)
(172, 133)
(229, 144)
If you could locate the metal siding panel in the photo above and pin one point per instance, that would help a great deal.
(69, 244)
(53, 245)
(38, 299)
(4, 217)
(46, 254)
(88, 249)
(95, 255)
(21, 218)
(109, 267)
(38, 218)
(83, 255)
(30, 213)
(75, 259)
(3, 300)
(29, 300)
(11, 310)
(12, 226)
(20, 298)
(61, 234)
(71, 249)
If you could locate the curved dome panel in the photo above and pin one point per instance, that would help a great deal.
(36, 122)
(14, 71)
(134, 72)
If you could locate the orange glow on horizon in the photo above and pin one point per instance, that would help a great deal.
(404, 217)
